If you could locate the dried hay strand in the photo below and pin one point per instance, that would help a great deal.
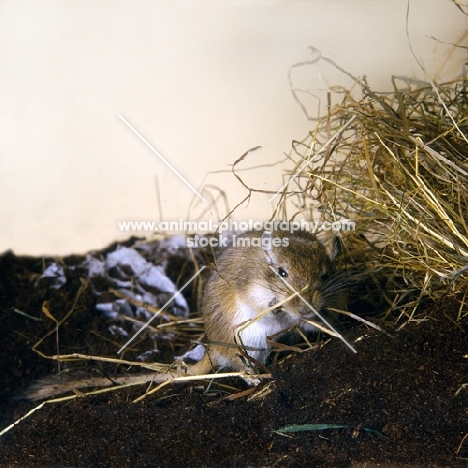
(399, 172)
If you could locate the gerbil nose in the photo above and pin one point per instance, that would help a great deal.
(310, 302)
(325, 277)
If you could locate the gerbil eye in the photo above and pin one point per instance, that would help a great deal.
(283, 273)
(325, 277)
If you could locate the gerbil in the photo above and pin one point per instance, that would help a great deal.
(261, 270)
(257, 272)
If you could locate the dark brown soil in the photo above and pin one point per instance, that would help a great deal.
(399, 396)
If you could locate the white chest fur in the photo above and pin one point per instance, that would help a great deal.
(253, 331)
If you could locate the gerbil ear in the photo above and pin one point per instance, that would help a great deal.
(334, 249)
(267, 247)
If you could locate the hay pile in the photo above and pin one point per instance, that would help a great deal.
(399, 170)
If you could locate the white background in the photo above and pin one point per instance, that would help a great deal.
(203, 81)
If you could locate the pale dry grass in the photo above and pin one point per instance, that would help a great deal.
(399, 171)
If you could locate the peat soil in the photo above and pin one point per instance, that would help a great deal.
(401, 400)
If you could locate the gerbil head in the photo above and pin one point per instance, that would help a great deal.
(298, 262)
